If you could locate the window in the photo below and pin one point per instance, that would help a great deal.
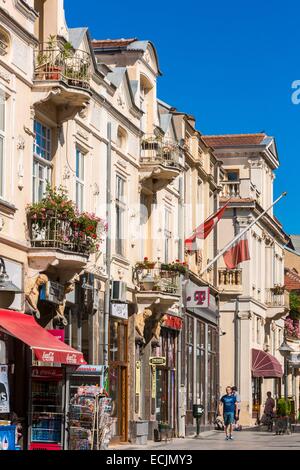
(121, 138)
(2, 141)
(232, 175)
(41, 174)
(168, 234)
(79, 179)
(120, 211)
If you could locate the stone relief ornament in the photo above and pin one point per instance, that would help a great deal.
(60, 318)
(156, 330)
(140, 321)
(31, 289)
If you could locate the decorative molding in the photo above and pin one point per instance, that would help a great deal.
(2, 223)
(20, 143)
(84, 135)
(26, 10)
(5, 76)
(96, 189)
(245, 315)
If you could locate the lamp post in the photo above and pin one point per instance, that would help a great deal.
(285, 350)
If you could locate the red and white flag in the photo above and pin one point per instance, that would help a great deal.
(204, 229)
(237, 253)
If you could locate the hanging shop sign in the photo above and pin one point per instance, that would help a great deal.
(52, 292)
(172, 322)
(119, 311)
(157, 361)
(4, 390)
(197, 296)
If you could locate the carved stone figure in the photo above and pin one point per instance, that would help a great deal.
(60, 309)
(32, 291)
(157, 327)
(140, 321)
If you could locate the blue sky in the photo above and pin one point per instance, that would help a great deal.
(229, 63)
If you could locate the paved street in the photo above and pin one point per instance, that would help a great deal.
(244, 440)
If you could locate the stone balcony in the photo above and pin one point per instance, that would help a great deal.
(241, 189)
(62, 78)
(278, 302)
(54, 241)
(230, 280)
(159, 162)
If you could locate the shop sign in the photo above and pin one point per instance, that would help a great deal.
(157, 361)
(119, 311)
(153, 391)
(196, 296)
(4, 390)
(175, 323)
(47, 373)
(90, 369)
(59, 334)
(138, 377)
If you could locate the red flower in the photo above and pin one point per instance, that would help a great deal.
(177, 261)
(145, 259)
(94, 235)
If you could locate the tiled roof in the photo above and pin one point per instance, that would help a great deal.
(111, 43)
(291, 279)
(233, 140)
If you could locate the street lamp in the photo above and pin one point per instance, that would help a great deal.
(285, 350)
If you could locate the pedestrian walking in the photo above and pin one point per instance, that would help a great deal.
(230, 410)
(235, 392)
(269, 410)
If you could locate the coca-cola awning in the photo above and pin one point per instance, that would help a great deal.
(46, 347)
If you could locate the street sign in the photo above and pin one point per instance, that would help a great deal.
(119, 311)
(157, 361)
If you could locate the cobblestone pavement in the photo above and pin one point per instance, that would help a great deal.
(214, 440)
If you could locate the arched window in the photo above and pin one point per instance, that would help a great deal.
(122, 138)
(4, 42)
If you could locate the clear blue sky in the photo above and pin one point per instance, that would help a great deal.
(229, 63)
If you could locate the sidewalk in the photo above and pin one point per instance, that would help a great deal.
(247, 439)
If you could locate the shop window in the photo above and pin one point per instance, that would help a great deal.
(42, 168)
(256, 396)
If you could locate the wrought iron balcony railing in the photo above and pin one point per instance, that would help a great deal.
(55, 62)
(160, 151)
(157, 279)
(59, 233)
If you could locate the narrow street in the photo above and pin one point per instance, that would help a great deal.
(214, 440)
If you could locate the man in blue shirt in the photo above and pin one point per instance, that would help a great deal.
(230, 411)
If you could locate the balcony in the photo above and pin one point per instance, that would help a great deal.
(160, 162)
(157, 285)
(241, 189)
(55, 240)
(62, 76)
(278, 302)
(230, 280)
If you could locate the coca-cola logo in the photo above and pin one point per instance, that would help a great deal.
(48, 356)
(71, 359)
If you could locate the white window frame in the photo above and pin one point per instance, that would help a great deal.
(79, 179)
(41, 161)
(120, 215)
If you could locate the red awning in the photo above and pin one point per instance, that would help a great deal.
(265, 365)
(46, 347)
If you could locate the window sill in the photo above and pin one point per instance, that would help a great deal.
(7, 208)
(120, 259)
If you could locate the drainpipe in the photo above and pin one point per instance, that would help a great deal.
(108, 246)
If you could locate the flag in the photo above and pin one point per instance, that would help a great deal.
(237, 253)
(204, 229)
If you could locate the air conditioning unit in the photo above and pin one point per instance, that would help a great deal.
(118, 291)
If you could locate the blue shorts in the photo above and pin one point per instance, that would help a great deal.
(228, 418)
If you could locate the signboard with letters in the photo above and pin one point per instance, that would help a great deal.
(119, 311)
(157, 361)
(197, 296)
(4, 390)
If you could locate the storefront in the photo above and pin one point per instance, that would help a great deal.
(200, 355)
(118, 370)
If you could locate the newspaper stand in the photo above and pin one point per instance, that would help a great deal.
(89, 419)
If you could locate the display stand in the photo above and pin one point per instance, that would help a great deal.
(89, 423)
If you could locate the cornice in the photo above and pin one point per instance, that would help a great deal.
(17, 28)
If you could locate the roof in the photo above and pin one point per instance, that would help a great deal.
(234, 140)
(76, 36)
(291, 279)
(111, 43)
(296, 242)
(116, 75)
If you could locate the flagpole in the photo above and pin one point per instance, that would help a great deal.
(239, 235)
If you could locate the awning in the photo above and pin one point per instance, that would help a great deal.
(265, 365)
(46, 347)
